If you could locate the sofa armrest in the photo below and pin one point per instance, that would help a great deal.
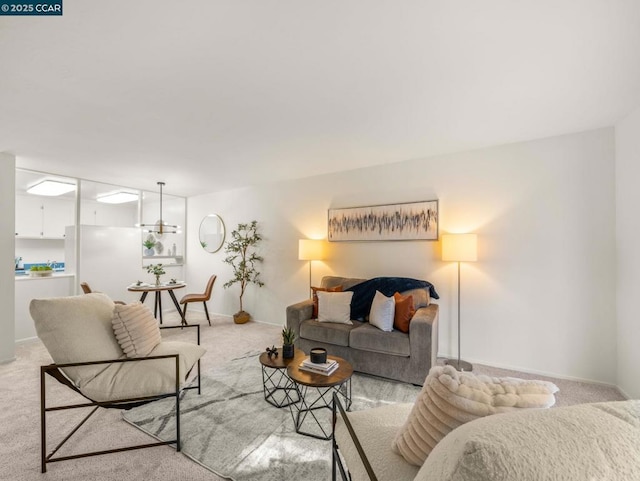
(423, 334)
(296, 313)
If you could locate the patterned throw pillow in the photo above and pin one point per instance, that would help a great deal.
(136, 329)
(315, 297)
(450, 398)
(404, 312)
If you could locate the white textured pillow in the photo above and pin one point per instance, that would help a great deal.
(450, 398)
(136, 329)
(382, 312)
(334, 307)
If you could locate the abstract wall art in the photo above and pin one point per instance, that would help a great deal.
(408, 221)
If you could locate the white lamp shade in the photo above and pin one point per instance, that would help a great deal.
(310, 249)
(460, 247)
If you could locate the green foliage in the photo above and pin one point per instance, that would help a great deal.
(40, 268)
(288, 336)
(242, 258)
(149, 244)
(156, 269)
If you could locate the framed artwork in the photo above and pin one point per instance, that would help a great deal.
(409, 221)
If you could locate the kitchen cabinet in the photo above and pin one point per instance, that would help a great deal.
(119, 215)
(27, 288)
(43, 217)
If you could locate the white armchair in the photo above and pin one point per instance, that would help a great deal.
(89, 358)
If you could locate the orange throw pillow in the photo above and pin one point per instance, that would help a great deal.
(404, 312)
(315, 297)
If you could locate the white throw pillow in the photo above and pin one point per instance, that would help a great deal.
(334, 307)
(382, 312)
(136, 329)
(450, 398)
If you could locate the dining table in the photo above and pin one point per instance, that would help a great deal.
(158, 289)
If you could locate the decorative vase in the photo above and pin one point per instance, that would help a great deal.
(157, 279)
(149, 252)
(288, 351)
(241, 317)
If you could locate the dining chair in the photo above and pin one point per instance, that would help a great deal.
(87, 290)
(204, 297)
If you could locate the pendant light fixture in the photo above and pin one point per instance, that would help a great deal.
(160, 227)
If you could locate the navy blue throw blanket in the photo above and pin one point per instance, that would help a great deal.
(364, 292)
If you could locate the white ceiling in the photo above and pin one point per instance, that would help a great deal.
(210, 95)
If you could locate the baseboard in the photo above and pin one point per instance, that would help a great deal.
(535, 371)
(26, 339)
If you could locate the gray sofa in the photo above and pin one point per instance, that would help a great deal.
(395, 355)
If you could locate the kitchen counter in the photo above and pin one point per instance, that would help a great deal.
(55, 275)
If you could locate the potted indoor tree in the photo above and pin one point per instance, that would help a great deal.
(242, 258)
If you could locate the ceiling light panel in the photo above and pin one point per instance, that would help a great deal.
(51, 188)
(117, 197)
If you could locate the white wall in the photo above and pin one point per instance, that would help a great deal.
(627, 233)
(7, 247)
(542, 296)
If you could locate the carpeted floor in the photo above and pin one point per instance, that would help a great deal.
(20, 419)
(233, 432)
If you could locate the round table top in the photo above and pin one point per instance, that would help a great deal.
(279, 362)
(152, 287)
(344, 372)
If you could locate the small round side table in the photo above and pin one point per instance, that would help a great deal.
(277, 387)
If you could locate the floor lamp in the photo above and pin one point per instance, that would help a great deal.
(459, 248)
(310, 250)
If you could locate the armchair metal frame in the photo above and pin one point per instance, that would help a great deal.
(336, 461)
(54, 370)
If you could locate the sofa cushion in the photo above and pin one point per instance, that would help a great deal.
(421, 297)
(77, 329)
(450, 398)
(146, 377)
(382, 312)
(345, 282)
(375, 429)
(404, 312)
(135, 328)
(331, 333)
(315, 296)
(370, 338)
(581, 442)
(334, 307)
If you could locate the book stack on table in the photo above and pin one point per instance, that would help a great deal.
(326, 368)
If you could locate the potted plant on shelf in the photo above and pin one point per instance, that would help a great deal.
(157, 270)
(149, 245)
(288, 349)
(41, 271)
(241, 256)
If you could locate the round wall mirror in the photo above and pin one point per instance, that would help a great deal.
(212, 233)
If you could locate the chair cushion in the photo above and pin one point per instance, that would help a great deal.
(370, 338)
(146, 377)
(573, 443)
(135, 328)
(77, 329)
(375, 429)
(450, 398)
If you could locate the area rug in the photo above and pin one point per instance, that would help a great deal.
(231, 430)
